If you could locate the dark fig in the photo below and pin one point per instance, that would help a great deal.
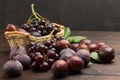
(75, 64)
(67, 50)
(59, 68)
(106, 54)
(24, 59)
(85, 55)
(13, 68)
(66, 53)
(16, 50)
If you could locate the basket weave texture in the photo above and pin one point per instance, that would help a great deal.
(21, 38)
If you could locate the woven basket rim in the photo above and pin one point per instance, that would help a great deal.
(28, 34)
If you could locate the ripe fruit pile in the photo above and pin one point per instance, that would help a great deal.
(19, 61)
(63, 55)
(78, 55)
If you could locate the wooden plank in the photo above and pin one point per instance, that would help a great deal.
(109, 71)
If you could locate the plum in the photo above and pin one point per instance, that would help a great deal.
(106, 54)
(13, 68)
(85, 55)
(59, 68)
(93, 47)
(75, 64)
(61, 44)
(83, 46)
(85, 41)
(11, 27)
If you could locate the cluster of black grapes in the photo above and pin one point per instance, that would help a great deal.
(40, 28)
(43, 54)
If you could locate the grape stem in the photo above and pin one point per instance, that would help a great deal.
(33, 11)
(50, 35)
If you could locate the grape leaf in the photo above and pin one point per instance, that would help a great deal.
(94, 56)
(67, 32)
(76, 39)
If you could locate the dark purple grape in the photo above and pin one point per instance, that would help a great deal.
(32, 29)
(47, 43)
(56, 30)
(50, 61)
(31, 44)
(39, 58)
(56, 57)
(42, 22)
(44, 33)
(51, 54)
(53, 49)
(49, 27)
(41, 27)
(44, 66)
(35, 66)
(40, 48)
(35, 33)
(25, 27)
(32, 49)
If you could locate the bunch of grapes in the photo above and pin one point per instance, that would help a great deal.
(43, 54)
(40, 28)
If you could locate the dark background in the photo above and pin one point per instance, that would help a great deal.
(103, 15)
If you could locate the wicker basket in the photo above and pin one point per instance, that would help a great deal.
(21, 38)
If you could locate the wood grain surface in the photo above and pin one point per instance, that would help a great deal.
(109, 71)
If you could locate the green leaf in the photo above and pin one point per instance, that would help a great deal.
(67, 32)
(76, 39)
(94, 56)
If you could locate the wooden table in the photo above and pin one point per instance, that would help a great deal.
(92, 72)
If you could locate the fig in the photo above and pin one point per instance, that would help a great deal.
(66, 53)
(67, 50)
(24, 59)
(85, 55)
(13, 68)
(16, 50)
(75, 64)
(59, 68)
(106, 54)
